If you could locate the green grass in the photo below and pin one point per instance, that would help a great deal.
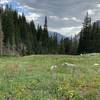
(31, 77)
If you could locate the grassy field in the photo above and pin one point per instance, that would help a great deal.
(50, 77)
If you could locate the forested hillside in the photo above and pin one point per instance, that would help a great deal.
(19, 37)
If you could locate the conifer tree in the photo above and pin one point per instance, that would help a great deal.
(84, 42)
(23, 38)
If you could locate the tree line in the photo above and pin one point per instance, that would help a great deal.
(20, 37)
(89, 41)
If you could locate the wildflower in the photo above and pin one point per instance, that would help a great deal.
(81, 54)
(53, 67)
(96, 64)
(69, 64)
(71, 93)
(60, 88)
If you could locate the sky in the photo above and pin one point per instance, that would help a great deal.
(64, 16)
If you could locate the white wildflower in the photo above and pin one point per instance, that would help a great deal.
(81, 54)
(69, 64)
(96, 64)
(53, 67)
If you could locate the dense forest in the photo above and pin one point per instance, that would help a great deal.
(20, 37)
(89, 36)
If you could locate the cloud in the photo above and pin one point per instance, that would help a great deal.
(54, 17)
(71, 19)
(63, 15)
(68, 30)
(4, 1)
(75, 19)
(28, 7)
(91, 12)
(98, 5)
(32, 16)
(65, 18)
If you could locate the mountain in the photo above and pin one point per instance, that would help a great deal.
(59, 35)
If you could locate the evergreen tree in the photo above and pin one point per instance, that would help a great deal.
(45, 36)
(84, 42)
(8, 29)
(61, 47)
(33, 37)
(23, 38)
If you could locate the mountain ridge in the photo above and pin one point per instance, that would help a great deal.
(59, 35)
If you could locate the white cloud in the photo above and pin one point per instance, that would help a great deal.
(4, 1)
(27, 7)
(54, 17)
(65, 18)
(71, 19)
(32, 16)
(98, 5)
(75, 19)
(20, 7)
(20, 13)
(67, 31)
(91, 11)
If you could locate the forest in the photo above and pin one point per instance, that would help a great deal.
(89, 41)
(20, 37)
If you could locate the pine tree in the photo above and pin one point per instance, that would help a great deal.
(45, 36)
(33, 37)
(62, 48)
(23, 38)
(8, 29)
(84, 42)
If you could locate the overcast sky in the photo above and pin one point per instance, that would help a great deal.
(64, 16)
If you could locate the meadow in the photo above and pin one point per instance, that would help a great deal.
(50, 77)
